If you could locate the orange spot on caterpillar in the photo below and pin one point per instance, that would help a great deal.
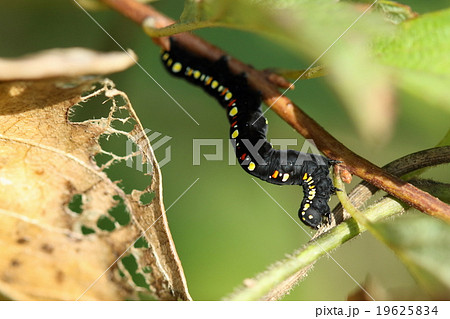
(231, 103)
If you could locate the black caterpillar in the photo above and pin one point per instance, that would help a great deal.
(255, 155)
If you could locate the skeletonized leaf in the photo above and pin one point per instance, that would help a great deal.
(64, 225)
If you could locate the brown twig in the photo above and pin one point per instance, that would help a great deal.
(293, 115)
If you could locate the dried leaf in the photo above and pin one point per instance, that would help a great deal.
(54, 198)
(70, 62)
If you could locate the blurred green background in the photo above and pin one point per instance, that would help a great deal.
(225, 227)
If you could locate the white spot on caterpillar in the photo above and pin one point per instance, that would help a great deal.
(285, 177)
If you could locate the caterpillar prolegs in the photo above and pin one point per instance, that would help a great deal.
(248, 128)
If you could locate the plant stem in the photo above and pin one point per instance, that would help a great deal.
(321, 246)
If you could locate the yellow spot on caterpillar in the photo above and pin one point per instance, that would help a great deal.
(233, 111)
(197, 74)
(310, 216)
(169, 62)
(251, 166)
(267, 122)
(235, 134)
(309, 179)
(311, 197)
(177, 67)
(165, 56)
(214, 84)
(312, 186)
(228, 96)
(305, 176)
(285, 177)
(275, 174)
(306, 206)
(303, 213)
(303, 218)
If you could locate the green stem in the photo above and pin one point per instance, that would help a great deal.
(321, 246)
(327, 242)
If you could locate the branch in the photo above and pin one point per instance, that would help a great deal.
(290, 113)
(400, 167)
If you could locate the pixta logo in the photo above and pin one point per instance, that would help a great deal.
(134, 154)
(308, 147)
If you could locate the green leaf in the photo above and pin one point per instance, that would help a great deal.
(422, 243)
(418, 54)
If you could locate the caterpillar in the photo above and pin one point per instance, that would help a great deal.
(248, 128)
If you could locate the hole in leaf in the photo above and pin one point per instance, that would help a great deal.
(101, 159)
(76, 203)
(88, 110)
(87, 230)
(147, 270)
(120, 212)
(129, 178)
(104, 223)
(139, 280)
(130, 264)
(147, 198)
(122, 121)
(115, 143)
(141, 243)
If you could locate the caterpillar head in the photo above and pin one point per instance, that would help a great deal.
(310, 217)
(314, 212)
